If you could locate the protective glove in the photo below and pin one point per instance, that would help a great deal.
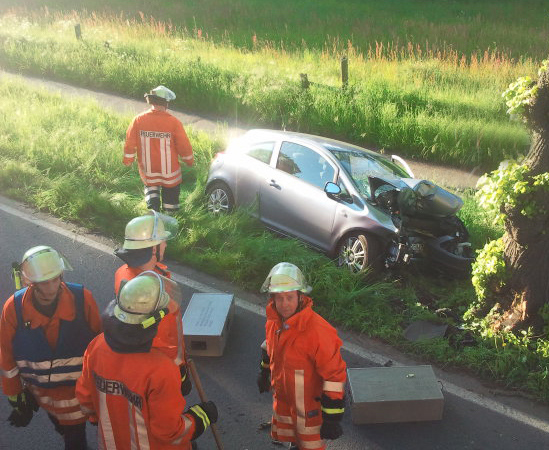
(204, 414)
(332, 413)
(186, 385)
(23, 405)
(264, 375)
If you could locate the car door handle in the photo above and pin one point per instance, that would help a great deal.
(274, 184)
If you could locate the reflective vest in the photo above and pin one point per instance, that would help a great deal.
(46, 367)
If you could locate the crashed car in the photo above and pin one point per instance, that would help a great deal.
(359, 207)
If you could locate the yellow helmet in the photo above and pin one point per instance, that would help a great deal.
(149, 230)
(285, 277)
(43, 263)
(145, 298)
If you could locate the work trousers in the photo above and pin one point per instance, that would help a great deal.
(73, 435)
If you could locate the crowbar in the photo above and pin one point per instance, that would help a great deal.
(203, 398)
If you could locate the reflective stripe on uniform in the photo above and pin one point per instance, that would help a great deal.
(186, 158)
(188, 424)
(129, 155)
(87, 411)
(179, 320)
(283, 419)
(58, 403)
(170, 206)
(52, 378)
(163, 180)
(141, 430)
(283, 431)
(46, 365)
(300, 405)
(11, 373)
(333, 386)
(333, 410)
(311, 444)
(105, 422)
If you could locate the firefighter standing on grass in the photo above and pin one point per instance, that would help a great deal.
(143, 249)
(301, 364)
(159, 139)
(44, 331)
(131, 388)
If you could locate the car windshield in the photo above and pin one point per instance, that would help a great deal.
(360, 165)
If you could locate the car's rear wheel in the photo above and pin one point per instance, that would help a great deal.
(220, 199)
(357, 252)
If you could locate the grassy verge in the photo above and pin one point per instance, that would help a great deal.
(446, 109)
(65, 157)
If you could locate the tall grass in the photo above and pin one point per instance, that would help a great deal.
(446, 109)
(517, 29)
(65, 157)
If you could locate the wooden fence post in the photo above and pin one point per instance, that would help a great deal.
(78, 31)
(344, 72)
(304, 81)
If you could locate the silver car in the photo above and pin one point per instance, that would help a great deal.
(351, 203)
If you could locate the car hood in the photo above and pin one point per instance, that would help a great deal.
(420, 197)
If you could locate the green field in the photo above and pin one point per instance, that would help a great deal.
(443, 107)
(65, 158)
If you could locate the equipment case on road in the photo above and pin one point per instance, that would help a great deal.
(206, 323)
(394, 394)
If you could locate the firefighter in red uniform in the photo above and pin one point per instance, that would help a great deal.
(301, 364)
(159, 140)
(44, 331)
(131, 388)
(143, 249)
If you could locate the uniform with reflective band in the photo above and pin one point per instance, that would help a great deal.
(136, 399)
(169, 338)
(158, 139)
(305, 363)
(47, 352)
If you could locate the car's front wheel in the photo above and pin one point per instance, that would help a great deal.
(357, 252)
(220, 199)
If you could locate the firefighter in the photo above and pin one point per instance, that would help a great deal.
(131, 388)
(159, 139)
(143, 249)
(301, 364)
(44, 331)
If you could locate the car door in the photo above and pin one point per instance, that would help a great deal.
(253, 167)
(292, 197)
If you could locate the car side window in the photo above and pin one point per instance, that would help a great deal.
(261, 151)
(305, 164)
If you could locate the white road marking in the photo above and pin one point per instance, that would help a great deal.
(377, 358)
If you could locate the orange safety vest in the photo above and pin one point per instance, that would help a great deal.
(59, 401)
(305, 362)
(135, 398)
(169, 338)
(159, 139)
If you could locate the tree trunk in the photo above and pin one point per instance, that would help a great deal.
(527, 239)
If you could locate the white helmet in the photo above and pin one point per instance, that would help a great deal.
(43, 263)
(144, 299)
(285, 277)
(149, 230)
(162, 92)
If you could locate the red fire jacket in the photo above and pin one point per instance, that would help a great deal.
(305, 362)
(136, 399)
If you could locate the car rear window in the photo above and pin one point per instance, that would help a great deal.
(261, 151)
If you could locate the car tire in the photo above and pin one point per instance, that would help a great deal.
(219, 198)
(358, 252)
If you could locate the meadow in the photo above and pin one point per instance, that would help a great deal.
(422, 101)
(65, 158)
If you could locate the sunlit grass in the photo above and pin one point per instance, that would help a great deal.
(439, 107)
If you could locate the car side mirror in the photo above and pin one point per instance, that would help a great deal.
(332, 189)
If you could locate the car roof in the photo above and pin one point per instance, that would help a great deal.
(324, 142)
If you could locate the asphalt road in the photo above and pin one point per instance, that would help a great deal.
(230, 380)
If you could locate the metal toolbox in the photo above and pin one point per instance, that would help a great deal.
(206, 323)
(394, 394)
